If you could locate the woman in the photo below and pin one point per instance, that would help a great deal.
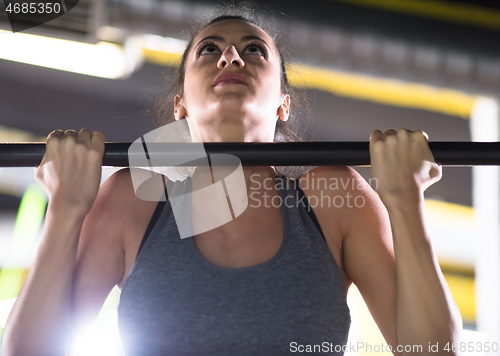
(242, 288)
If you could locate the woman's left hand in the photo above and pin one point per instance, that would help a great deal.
(403, 164)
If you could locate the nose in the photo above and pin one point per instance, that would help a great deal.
(230, 56)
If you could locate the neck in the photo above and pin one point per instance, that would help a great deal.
(255, 177)
(232, 129)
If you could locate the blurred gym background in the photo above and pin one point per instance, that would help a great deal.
(365, 64)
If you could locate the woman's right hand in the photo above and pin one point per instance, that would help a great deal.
(70, 171)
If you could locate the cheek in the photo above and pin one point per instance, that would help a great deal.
(192, 87)
(272, 84)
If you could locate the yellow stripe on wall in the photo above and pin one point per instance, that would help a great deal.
(381, 90)
(28, 222)
(442, 213)
(162, 58)
(463, 290)
(457, 12)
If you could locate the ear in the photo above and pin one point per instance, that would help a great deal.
(179, 108)
(284, 109)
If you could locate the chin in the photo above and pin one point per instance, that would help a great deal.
(237, 105)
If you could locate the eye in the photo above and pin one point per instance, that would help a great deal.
(255, 49)
(209, 48)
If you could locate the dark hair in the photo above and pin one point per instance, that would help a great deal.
(289, 131)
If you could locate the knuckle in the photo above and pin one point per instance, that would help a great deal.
(403, 132)
(377, 146)
(391, 140)
(95, 154)
(85, 135)
(52, 141)
(54, 134)
(98, 134)
(80, 147)
(422, 143)
(421, 136)
(379, 150)
(68, 140)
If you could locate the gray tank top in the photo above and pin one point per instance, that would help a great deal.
(175, 302)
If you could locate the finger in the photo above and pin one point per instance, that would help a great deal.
(70, 133)
(85, 136)
(390, 132)
(55, 133)
(375, 136)
(425, 135)
(98, 141)
(404, 132)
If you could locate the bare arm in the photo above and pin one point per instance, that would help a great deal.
(41, 320)
(386, 250)
(425, 309)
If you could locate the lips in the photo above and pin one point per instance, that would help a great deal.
(230, 78)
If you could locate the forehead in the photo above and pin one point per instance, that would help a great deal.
(235, 29)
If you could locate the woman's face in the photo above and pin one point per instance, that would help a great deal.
(232, 82)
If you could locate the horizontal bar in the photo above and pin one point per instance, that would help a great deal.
(316, 153)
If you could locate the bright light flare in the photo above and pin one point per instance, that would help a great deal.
(105, 60)
(102, 339)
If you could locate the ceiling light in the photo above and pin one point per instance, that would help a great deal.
(105, 60)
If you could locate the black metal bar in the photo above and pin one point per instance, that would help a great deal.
(315, 153)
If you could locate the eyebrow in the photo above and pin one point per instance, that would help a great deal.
(243, 39)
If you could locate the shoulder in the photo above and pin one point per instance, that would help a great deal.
(332, 174)
(117, 208)
(130, 188)
(344, 186)
(346, 198)
(132, 191)
(115, 221)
